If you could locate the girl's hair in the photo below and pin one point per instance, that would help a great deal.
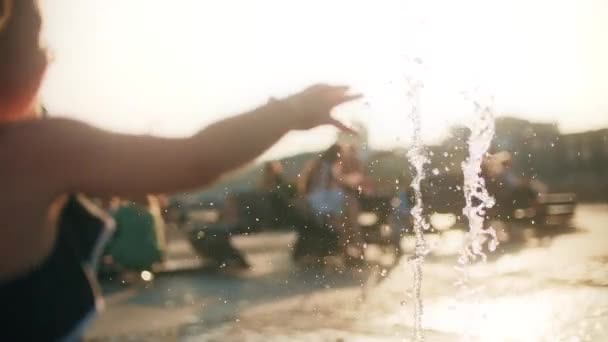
(22, 59)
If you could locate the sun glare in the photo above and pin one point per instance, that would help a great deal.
(145, 66)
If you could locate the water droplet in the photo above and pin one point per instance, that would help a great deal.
(417, 157)
(147, 276)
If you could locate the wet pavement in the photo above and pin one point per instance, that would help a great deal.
(551, 286)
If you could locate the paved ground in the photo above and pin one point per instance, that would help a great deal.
(552, 288)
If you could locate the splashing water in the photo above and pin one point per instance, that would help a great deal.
(417, 158)
(477, 201)
(477, 198)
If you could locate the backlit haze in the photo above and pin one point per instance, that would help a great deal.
(171, 67)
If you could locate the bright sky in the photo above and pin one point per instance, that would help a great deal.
(170, 67)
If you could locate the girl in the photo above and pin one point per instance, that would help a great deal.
(43, 161)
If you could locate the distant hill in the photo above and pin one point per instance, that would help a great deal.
(247, 179)
(566, 162)
(384, 167)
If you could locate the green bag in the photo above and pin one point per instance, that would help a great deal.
(135, 245)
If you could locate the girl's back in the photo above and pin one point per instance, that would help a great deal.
(28, 209)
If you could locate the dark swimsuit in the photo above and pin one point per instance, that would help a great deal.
(55, 301)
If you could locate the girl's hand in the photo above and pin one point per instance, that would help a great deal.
(312, 107)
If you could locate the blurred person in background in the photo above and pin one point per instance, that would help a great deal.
(279, 193)
(43, 161)
(139, 240)
(352, 180)
(271, 190)
(513, 191)
(272, 176)
(321, 185)
(324, 187)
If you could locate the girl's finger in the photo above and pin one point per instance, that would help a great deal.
(341, 126)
